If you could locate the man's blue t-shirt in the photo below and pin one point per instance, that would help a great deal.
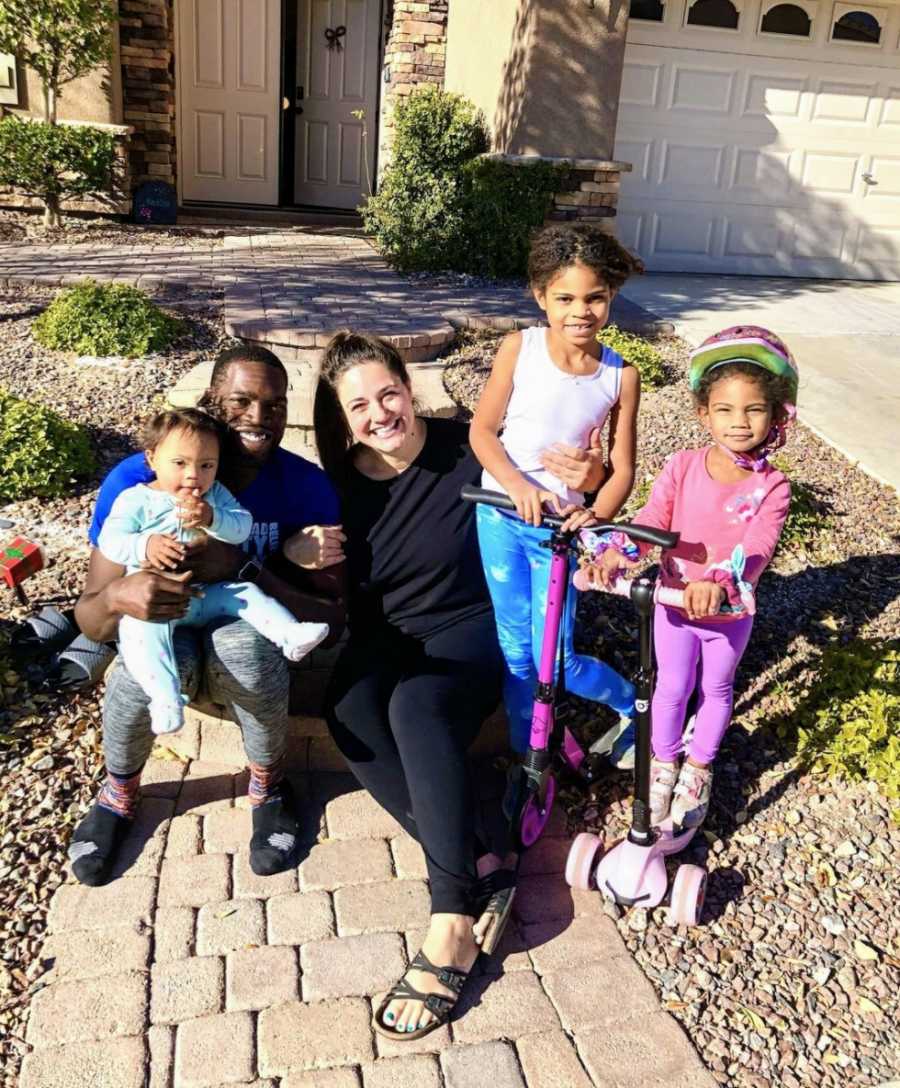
(288, 494)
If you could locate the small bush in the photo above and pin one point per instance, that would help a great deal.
(54, 161)
(808, 515)
(637, 351)
(440, 206)
(40, 453)
(105, 319)
(848, 724)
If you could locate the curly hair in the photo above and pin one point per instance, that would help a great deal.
(557, 247)
(346, 350)
(775, 387)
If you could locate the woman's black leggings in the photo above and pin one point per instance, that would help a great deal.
(403, 711)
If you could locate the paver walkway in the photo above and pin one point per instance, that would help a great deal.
(845, 335)
(187, 971)
(294, 289)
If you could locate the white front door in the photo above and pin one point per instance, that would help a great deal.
(338, 51)
(229, 72)
(771, 147)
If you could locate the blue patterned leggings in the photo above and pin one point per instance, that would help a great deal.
(517, 569)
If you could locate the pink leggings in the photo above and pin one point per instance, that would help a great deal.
(679, 644)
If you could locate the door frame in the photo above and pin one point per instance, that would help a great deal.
(288, 141)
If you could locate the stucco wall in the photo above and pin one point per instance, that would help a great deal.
(96, 97)
(546, 73)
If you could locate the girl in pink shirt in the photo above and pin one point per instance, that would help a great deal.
(729, 505)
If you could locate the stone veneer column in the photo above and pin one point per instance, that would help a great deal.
(414, 53)
(590, 192)
(146, 36)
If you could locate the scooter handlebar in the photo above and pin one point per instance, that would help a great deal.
(669, 595)
(658, 537)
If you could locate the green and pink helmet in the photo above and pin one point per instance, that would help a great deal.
(745, 344)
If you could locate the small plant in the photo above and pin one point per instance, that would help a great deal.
(847, 725)
(55, 161)
(639, 496)
(40, 452)
(639, 352)
(808, 514)
(105, 319)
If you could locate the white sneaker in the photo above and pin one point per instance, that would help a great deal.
(302, 639)
(663, 777)
(691, 800)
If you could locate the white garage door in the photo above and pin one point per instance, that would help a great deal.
(766, 144)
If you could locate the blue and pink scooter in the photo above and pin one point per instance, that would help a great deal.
(633, 872)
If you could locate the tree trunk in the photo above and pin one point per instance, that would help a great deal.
(49, 104)
(52, 216)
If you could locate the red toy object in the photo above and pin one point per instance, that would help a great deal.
(18, 560)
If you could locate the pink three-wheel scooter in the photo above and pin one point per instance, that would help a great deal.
(531, 802)
(633, 873)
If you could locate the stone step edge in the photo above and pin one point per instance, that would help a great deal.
(210, 738)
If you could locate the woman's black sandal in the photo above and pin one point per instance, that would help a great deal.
(439, 1005)
(496, 892)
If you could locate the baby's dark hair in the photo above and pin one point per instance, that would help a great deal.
(191, 420)
(775, 387)
(560, 245)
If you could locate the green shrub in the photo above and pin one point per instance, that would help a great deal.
(54, 161)
(848, 723)
(40, 453)
(105, 319)
(637, 351)
(441, 206)
(808, 515)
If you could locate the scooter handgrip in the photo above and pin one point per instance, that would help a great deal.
(658, 537)
(497, 498)
(470, 493)
(669, 595)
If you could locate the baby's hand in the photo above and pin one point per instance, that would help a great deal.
(164, 552)
(193, 511)
(702, 599)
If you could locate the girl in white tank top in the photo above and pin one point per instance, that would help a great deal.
(550, 392)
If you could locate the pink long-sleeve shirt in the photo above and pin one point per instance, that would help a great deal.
(713, 519)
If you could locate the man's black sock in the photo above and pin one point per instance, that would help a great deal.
(275, 833)
(95, 843)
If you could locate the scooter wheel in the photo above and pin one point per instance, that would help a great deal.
(580, 862)
(688, 893)
(536, 814)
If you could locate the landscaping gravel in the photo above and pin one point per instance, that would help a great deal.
(793, 978)
(50, 757)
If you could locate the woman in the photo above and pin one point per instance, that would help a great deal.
(422, 669)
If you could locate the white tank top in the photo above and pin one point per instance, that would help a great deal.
(548, 405)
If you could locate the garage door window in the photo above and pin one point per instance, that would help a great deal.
(716, 13)
(651, 11)
(786, 19)
(856, 25)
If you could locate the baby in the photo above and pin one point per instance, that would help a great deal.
(148, 526)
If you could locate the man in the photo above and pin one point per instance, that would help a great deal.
(294, 512)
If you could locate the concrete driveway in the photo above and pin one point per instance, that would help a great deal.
(845, 335)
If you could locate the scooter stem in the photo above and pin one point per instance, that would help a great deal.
(642, 599)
